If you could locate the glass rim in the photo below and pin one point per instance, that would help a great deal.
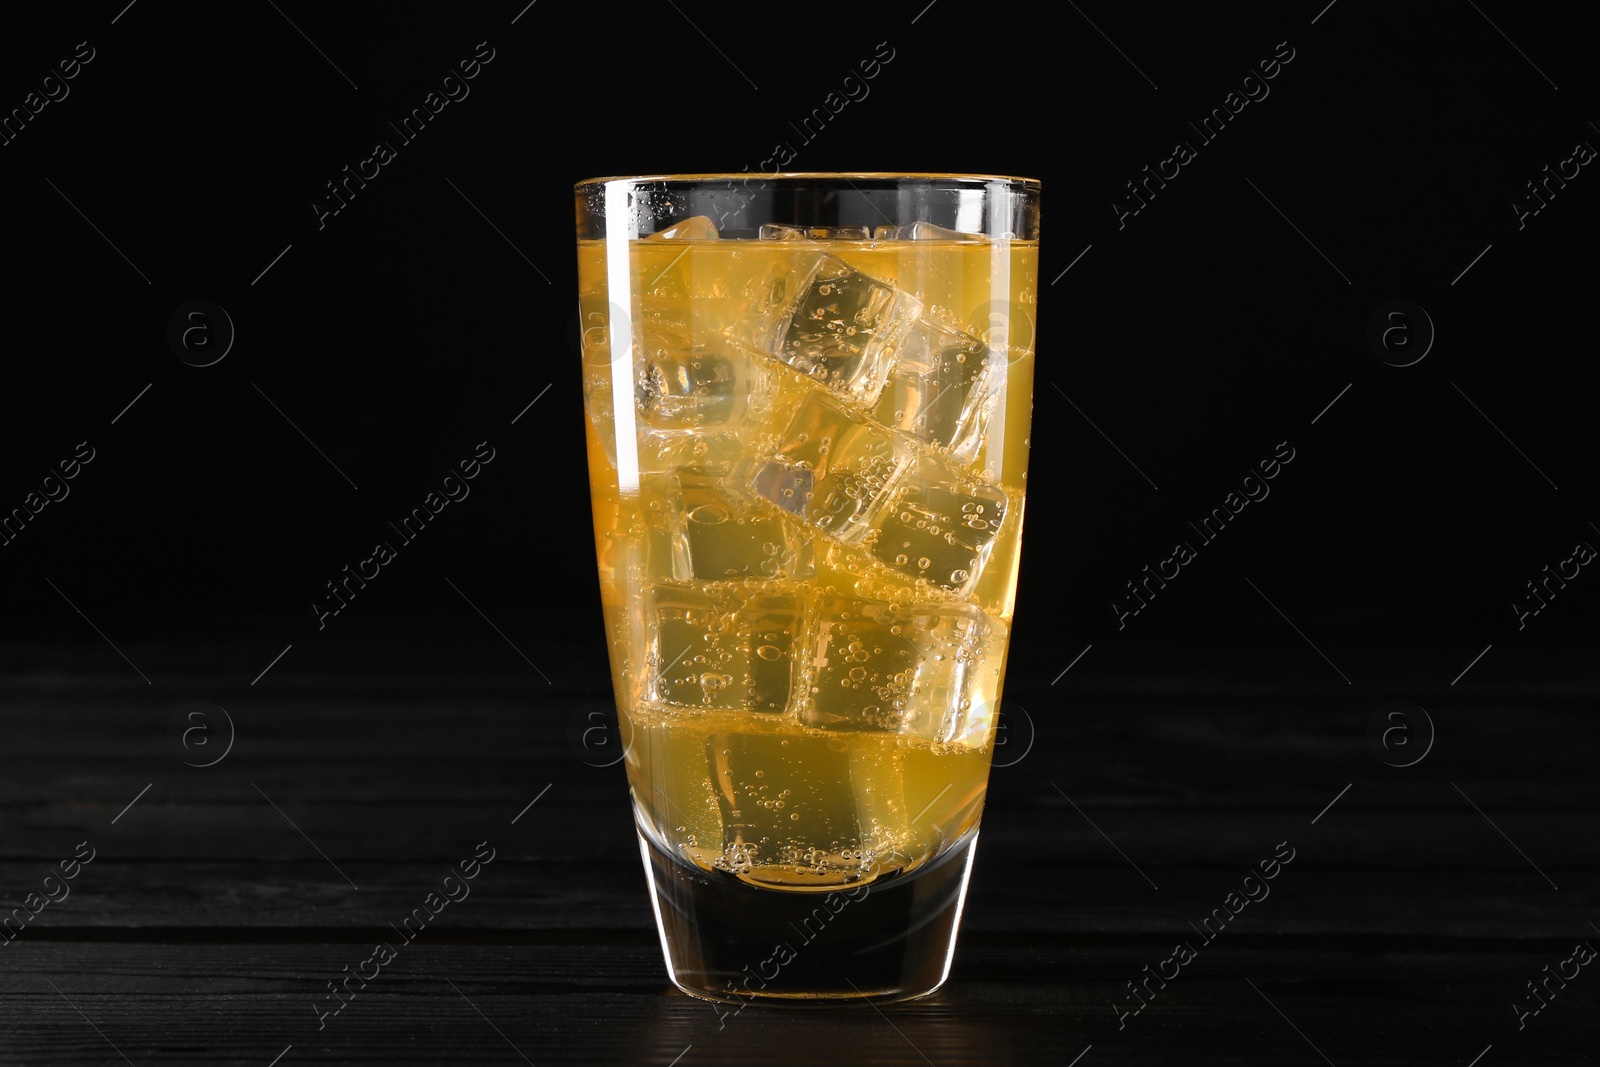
(1014, 181)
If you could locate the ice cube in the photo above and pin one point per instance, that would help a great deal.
(923, 230)
(593, 327)
(832, 468)
(707, 534)
(692, 388)
(929, 670)
(686, 284)
(775, 231)
(692, 397)
(831, 322)
(622, 549)
(697, 228)
(662, 452)
(721, 649)
(787, 809)
(942, 388)
(940, 525)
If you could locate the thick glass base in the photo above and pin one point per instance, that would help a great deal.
(728, 941)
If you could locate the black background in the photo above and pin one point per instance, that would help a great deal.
(406, 330)
(427, 315)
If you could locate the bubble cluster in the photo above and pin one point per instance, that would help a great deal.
(808, 586)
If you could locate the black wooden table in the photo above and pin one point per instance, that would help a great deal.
(219, 903)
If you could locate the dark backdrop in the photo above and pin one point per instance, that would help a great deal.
(1185, 342)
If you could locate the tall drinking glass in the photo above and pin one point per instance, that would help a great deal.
(808, 399)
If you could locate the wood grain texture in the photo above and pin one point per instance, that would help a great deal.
(207, 925)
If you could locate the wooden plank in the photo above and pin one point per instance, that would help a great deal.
(1010, 893)
(571, 825)
(243, 1004)
(1400, 933)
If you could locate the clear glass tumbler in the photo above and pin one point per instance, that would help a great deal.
(808, 399)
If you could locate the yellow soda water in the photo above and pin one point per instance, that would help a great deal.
(807, 453)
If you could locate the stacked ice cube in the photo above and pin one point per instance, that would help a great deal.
(826, 413)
